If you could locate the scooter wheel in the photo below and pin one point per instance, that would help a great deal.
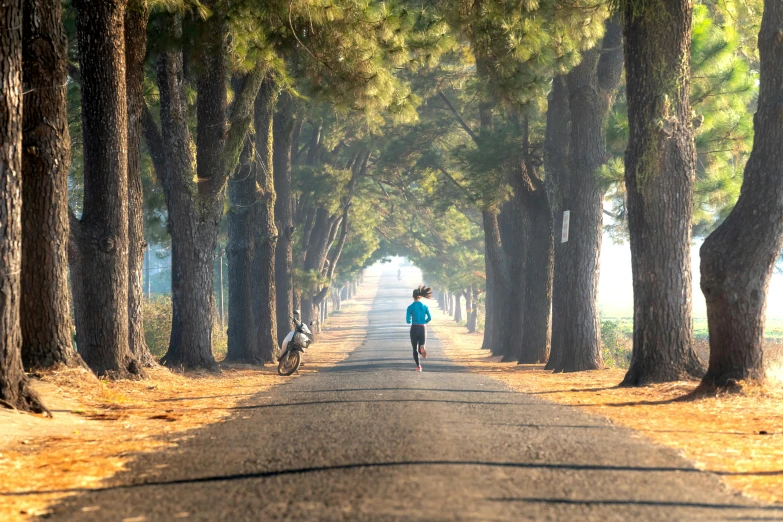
(289, 363)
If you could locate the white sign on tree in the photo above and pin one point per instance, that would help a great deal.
(566, 220)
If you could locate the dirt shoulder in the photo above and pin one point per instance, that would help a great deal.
(739, 437)
(99, 426)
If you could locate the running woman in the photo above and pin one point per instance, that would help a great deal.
(418, 315)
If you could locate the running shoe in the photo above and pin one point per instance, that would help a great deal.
(423, 352)
(418, 368)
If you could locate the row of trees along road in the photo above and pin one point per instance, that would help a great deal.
(316, 137)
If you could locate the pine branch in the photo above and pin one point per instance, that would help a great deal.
(239, 124)
(461, 121)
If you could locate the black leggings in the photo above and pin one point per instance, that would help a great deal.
(418, 338)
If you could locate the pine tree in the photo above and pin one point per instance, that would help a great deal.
(46, 296)
(15, 391)
(738, 258)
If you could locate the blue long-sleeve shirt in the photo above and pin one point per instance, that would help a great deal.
(418, 313)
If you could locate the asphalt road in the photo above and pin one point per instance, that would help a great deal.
(371, 439)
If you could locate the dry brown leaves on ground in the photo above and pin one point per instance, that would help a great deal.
(737, 436)
(98, 425)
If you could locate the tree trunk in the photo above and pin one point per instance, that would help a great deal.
(505, 324)
(45, 293)
(457, 308)
(193, 219)
(474, 317)
(556, 159)
(531, 253)
(102, 232)
(194, 196)
(242, 193)
(489, 316)
(469, 310)
(539, 265)
(591, 85)
(283, 132)
(659, 177)
(135, 53)
(266, 230)
(737, 259)
(15, 391)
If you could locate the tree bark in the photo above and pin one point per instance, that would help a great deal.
(283, 128)
(737, 259)
(474, 317)
(15, 390)
(193, 221)
(194, 195)
(102, 232)
(266, 230)
(489, 316)
(46, 305)
(469, 309)
(532, 255)
(457, 308)
(504, 331)
(592, 86)
(136, 17)
(659, 177)
(557, 143)
(242, 194)
(538, 287)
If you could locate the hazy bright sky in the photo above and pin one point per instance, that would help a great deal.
(616, 298)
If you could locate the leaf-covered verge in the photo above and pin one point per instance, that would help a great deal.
(99, 425)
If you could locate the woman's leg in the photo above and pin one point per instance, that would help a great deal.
(415, 344)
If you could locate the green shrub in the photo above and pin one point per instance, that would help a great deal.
(617, 344)
(157, 328)
(157, 323)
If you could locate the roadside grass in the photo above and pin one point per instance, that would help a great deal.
(617, 339)
(99, 426)
(737, 436)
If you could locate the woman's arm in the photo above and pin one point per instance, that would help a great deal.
(427, 313)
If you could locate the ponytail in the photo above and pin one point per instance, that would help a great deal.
(423, 291)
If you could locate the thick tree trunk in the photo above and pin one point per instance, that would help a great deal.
(242, 193)
(505, 323)
(592, 85)
(475, 315)
(659, 177)
(194, 218)
(737, 259)
(582, 329)
(195, 189)
(135, 53)
(514, 233)
(469, 310)
(266, 230)
(539, 265)
(192, 293)
(46, 307)
(489, 316)
(283, 132)
(102, 232)
(530, 249)
(15, 391)
(457, 308)
(556, 164)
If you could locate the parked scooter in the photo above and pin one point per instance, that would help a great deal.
(293, 347)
